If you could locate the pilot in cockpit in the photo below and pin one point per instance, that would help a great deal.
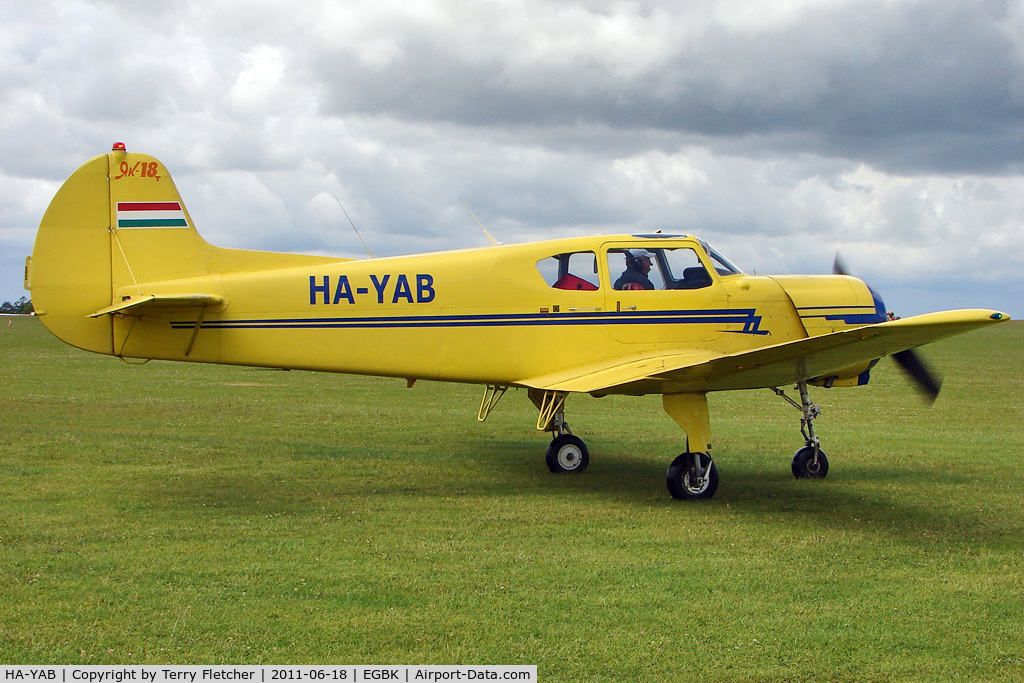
(638, 264)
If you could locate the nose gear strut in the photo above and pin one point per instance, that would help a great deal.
(810, 462)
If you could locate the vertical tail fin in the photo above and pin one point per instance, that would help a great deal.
(116, 223)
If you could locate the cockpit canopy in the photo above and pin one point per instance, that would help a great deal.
(670, 267)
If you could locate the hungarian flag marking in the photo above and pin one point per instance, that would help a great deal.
(150, 215)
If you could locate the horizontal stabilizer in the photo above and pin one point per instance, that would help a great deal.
(138, 305)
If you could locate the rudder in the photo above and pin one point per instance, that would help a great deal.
(117, 222)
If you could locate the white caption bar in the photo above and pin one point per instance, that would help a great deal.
(263, 674)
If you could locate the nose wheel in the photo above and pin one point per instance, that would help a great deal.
(810, 462)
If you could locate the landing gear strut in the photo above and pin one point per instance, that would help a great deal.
(692, 475)
(810, 462)
(566, 452)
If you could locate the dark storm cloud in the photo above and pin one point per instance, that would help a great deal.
(922, 87)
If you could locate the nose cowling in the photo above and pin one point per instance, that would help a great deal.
(834, 303)
(831, 303)
(927, 382)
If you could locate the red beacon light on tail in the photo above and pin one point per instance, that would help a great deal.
(118, 147)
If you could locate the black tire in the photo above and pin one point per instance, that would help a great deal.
(804, 466)
(567, 453)
(681, 477)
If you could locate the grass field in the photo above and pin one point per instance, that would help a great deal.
(175, 513)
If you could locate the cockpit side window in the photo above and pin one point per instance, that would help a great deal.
(685, 269)
(635, 269)
(657, 268)
(573, 271)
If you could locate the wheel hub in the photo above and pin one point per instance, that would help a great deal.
(694, 481)
(569, 457)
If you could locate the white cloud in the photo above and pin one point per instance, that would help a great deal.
(889, 129)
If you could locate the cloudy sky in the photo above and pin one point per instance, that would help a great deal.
(891, 131)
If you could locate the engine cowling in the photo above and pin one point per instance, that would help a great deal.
(832, 303)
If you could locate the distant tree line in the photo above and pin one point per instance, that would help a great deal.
(22, 305)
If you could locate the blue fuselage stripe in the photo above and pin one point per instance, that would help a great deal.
(745, 317)
(849, 315)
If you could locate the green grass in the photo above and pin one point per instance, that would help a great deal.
(176, 513)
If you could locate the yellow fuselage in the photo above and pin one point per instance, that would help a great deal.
(118, 268)
(487, 315)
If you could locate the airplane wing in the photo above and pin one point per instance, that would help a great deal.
(768, 366)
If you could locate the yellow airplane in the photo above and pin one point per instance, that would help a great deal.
(118, 268)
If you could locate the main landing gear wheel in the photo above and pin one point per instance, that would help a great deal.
(808, 464)
(692, 476)
(567, 453)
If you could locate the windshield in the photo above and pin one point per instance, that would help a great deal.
(723, 265)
